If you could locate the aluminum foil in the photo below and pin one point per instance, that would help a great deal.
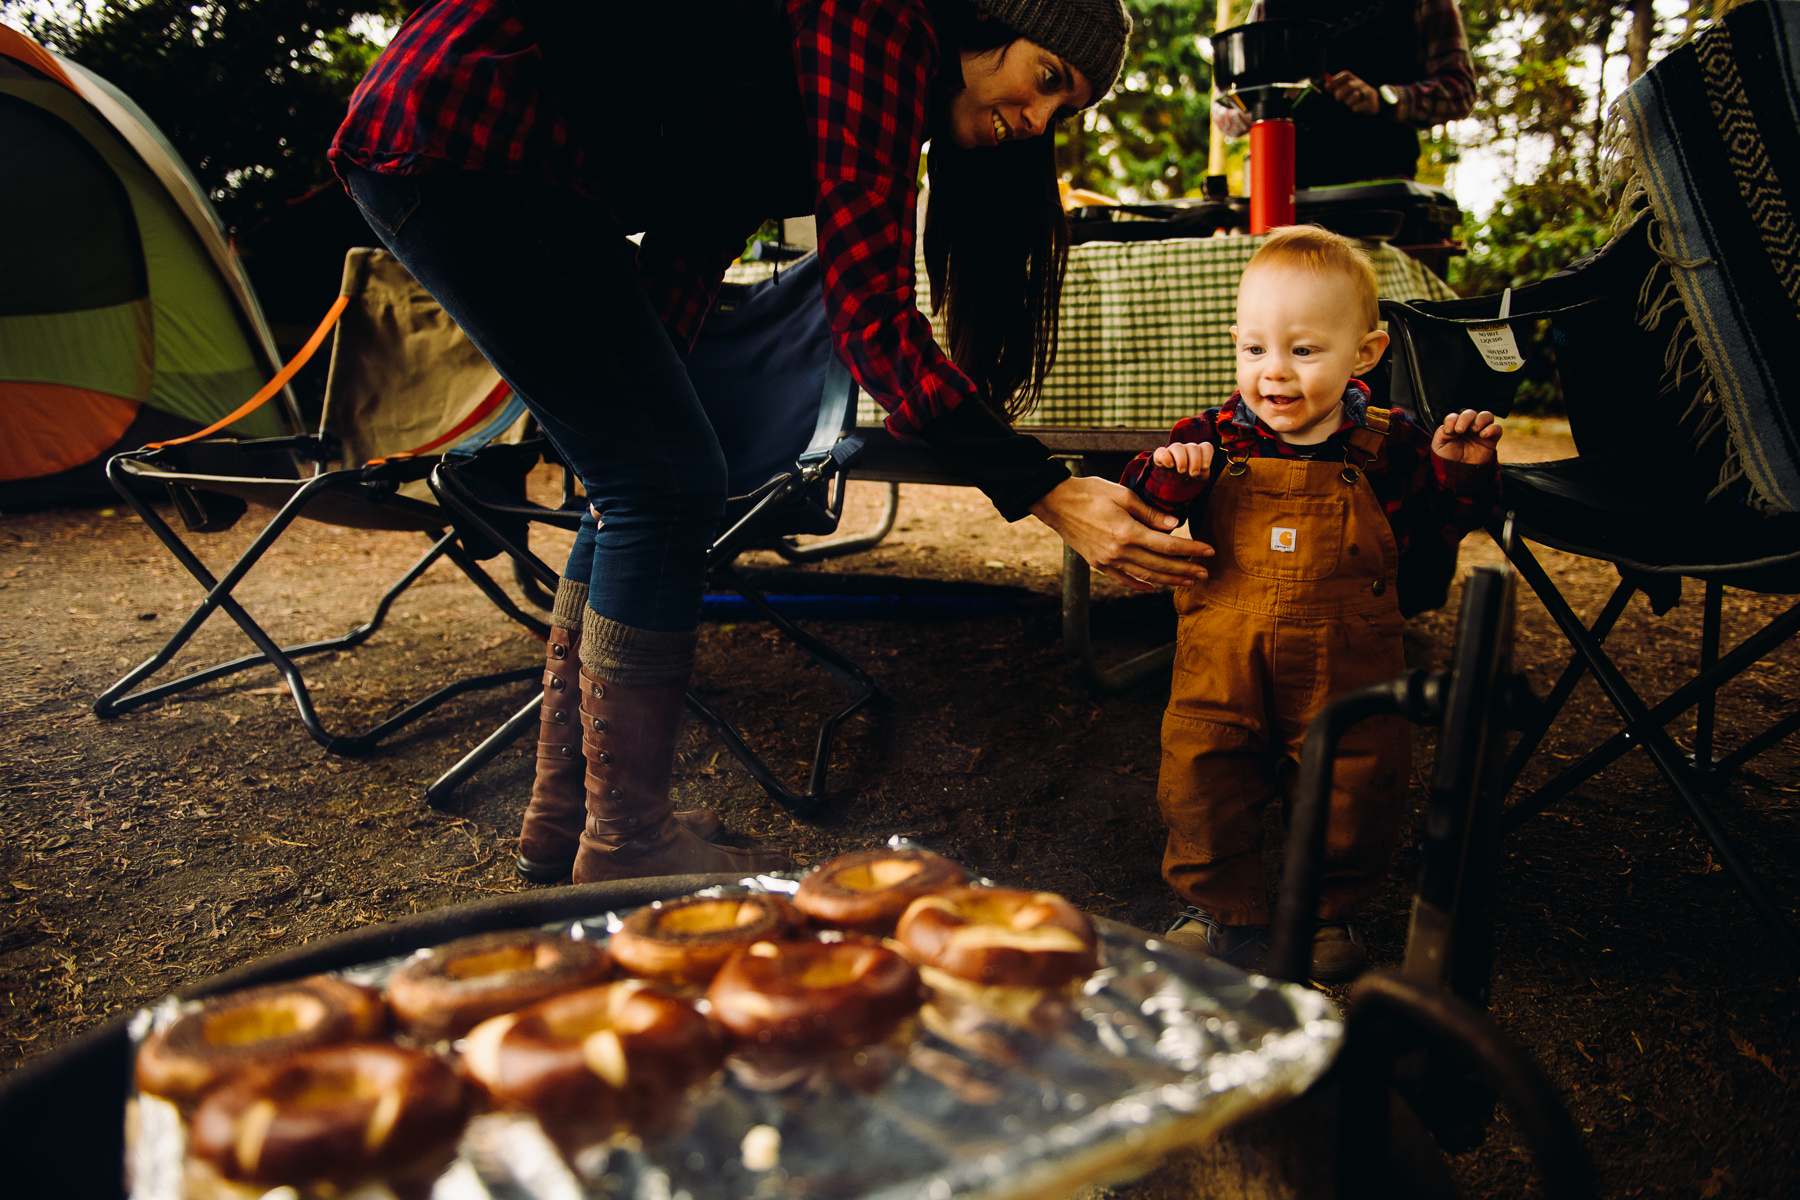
(1157, 1050)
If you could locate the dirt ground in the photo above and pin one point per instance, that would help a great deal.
(150, 851)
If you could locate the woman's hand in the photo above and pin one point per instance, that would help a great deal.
(1120, 535)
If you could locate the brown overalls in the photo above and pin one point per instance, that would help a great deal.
(1299, 606)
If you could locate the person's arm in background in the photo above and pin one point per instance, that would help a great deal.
(1445, 90)
(1445, 87)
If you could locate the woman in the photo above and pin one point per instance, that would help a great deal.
(504, 151)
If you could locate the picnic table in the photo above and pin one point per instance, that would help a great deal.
(1144, 340)
(1145, 332)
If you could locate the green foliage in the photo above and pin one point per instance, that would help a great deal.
(1539, 97)
(1152, 136)
(1535, 230)
(248, 91)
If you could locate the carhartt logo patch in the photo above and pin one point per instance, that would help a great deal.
(1283, 540)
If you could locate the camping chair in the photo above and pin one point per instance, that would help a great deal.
(783, 406)
(405, 390)
(1683, 425)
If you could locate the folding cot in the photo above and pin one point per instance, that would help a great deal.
(405, 390)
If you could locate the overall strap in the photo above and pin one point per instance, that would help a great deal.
(1369, 440)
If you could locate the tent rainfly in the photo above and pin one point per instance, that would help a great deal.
(125, 316)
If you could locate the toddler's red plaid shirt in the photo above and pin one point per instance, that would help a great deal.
(1422, 494)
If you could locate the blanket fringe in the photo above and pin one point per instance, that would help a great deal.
(1659, 242)
(1640, 125)
(1618, 168)
(1732, 478)
(1685, 373)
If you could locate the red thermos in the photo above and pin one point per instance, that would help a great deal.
(1271, 175)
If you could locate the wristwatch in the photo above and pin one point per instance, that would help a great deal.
(1388, 99)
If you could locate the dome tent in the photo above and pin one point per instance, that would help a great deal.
(124, 315)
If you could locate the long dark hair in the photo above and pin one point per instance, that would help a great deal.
(996, 237)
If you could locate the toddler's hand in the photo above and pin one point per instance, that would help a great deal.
(1467, 437)
(1193, 459)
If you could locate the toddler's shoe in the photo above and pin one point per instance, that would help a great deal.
(1338, 953)
(1198, 931)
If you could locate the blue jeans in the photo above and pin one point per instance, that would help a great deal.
(546, 286)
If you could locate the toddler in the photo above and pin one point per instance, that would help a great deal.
(1307, 495)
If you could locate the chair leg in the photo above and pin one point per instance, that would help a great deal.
(488, 587)
(1711, 612)
(862, 687)
(1688, 695)
(1559, 695)
(119, 698)
(515, 728)
(1643, 724)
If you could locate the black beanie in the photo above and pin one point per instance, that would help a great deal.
(1087, 34)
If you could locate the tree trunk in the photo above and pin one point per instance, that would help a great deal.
(1638, 38)
(1598, 132)
(1215, 153)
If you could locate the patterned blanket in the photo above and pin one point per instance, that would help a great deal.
(1712, 136)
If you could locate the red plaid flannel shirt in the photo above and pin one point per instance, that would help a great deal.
(1422, 494)
(461, 87)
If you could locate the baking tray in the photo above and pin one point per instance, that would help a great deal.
(1158, 1050)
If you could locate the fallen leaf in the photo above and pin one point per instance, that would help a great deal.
(1750, 1052)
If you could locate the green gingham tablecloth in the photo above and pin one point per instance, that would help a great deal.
(1145, 335)
(1145, 338)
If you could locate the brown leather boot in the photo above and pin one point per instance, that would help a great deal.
(551, 831)
(628, 738)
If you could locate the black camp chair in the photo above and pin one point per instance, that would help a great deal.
(784, 409)
(405, 391)
(1640, 495)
